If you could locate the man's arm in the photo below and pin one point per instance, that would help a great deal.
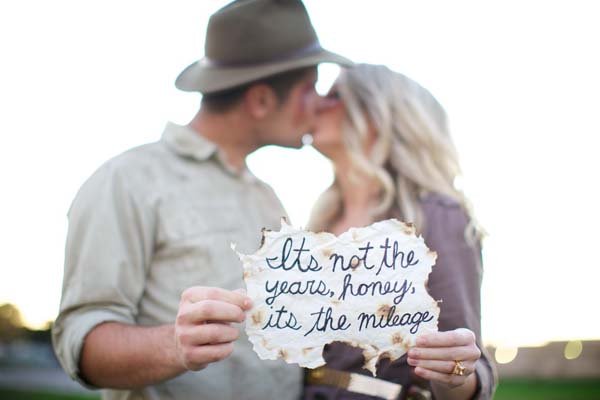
(122, 356)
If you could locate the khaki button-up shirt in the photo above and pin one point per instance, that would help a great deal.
(150, 223)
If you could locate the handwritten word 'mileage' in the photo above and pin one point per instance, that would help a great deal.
(288, 247)
(375, 288)
(392, 319)
(277, 288)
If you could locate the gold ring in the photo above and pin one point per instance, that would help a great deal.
(459, 368)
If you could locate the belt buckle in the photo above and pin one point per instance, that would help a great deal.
(418, 393)
(374, 387)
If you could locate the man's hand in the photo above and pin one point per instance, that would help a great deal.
(203, 330)
(435, 355)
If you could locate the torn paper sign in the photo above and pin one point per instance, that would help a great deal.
(365, 287)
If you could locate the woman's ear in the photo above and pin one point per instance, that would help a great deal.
(260, 100)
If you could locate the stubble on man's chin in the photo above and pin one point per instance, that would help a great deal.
(288, 144)
(294, 143)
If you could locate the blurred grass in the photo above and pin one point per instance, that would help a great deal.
(527, 389)
(509, 389)
(16, 394)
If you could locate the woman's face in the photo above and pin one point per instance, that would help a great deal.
(327, 134)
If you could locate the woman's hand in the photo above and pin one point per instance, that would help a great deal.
(438, 357)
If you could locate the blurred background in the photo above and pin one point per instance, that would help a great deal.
(83, 81)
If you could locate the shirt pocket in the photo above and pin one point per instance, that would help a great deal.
(181, 222)
(193, 240)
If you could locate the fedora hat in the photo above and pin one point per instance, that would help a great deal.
(252, 39)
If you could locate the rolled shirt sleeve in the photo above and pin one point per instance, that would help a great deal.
(456, 280)
(108, 249)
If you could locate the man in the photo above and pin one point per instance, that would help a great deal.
(149, 306)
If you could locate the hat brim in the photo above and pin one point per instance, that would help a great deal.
(204, 77)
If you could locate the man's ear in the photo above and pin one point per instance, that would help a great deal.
(260, 100)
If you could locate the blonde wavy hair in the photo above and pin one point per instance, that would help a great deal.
(413, 154)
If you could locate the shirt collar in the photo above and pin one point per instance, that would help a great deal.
(186, 142)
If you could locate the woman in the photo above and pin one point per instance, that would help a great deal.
(393, 158)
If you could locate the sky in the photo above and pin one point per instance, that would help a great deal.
(83, 81)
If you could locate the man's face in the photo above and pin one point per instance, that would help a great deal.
(294, 117)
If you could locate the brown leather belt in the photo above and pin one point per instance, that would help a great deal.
(353, 382)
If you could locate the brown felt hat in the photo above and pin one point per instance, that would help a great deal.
(252, 39)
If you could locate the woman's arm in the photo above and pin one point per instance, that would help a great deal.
(456, 281)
